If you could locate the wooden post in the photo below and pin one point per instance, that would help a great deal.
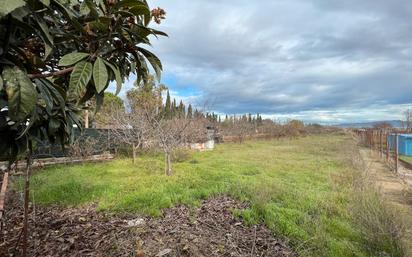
(387, 147)
(371, 139)
(3, 195)
(86, 119)
(380, 144)
(396, 153)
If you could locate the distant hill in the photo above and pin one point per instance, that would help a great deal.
(394, 123)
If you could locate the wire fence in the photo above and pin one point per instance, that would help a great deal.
(87, 141)
(387, 143)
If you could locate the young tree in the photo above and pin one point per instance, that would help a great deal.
(407, 119)
(55, 56)
(170, 133)
(178, 132)
(100, 117)
(146, 95)
(133, 128)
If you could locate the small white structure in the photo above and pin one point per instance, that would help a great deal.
(205, 146)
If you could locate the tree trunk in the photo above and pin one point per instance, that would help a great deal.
(134, 153)
(26, 201)
(168, 166)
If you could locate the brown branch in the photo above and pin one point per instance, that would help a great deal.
(51, 74)
(3, 193)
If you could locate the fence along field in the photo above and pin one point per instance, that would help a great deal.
(393, 146)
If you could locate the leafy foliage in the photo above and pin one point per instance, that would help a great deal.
(20, 92)
(80, 78)
(55, 55)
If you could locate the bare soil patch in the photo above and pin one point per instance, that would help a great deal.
(209, 230)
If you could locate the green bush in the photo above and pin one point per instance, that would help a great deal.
(181, 155)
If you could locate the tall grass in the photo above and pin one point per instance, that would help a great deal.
(379, 222)
(308, 191)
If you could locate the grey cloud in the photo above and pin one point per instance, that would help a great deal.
(280, 57)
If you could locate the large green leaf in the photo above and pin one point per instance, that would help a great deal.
(84, 9)
(130, 3)
(21, 93)
(137, 8)
(72, 58)
(140, 10)
(117, 75)
(45, 2)
(100, 76)
(92, 8)
(7, 6)
(154, 61)
(79, 78)
(44, 31)
(69, 14)
(158, 32)
(49, 93)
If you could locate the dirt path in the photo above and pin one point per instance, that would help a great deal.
(396, 190)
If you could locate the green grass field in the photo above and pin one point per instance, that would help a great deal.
(301, 188)
(406, 158)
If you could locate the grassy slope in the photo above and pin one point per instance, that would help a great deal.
(299, 188)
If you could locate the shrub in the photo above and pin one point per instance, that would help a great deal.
(84, 146)
(381, 227)
(181, 155)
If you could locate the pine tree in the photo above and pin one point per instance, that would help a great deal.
(174, 108)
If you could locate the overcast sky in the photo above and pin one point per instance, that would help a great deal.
(318, 60)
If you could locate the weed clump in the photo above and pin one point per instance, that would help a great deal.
(181, 155)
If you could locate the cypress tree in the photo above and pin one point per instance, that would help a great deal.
(168, 106)
(174, 108)
(181, 109)
(190, 112)
(244, 117)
